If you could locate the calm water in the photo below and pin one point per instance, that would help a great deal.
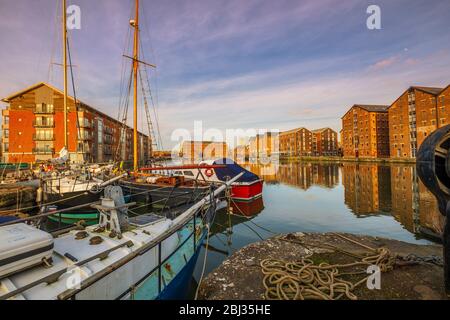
(373, 199)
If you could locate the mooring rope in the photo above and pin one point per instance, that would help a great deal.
(305, 280)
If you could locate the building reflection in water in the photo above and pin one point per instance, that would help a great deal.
(301, 175)
(369, 189)
(395, 189)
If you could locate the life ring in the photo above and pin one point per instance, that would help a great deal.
(209, 173)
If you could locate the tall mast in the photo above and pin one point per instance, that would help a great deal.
(135, 82)
(64, 39)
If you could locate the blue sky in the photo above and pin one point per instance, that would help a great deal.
(236, 64)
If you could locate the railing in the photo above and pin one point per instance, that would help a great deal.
(85, 137)
(199, 215)
(43, 137)
(43, 124)
(44, 110)
(43, 150)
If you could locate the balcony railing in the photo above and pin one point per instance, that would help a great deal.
(43, 150)
(43, 137)
(85, 138)
(43, 124)
(44, 110)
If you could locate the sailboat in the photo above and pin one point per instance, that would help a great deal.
(143, 257)
(69, 188)
(159, 191)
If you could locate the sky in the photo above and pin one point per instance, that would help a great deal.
(273, 65)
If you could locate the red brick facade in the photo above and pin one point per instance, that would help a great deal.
(296, 142)
(365, 132)
(33, 129)
(324, 142)
(412, 117)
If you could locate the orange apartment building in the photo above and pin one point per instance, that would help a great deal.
(33, 130)
(325, 142)
(412, 117)
(203, 150)
(296, 142)
(365, 132)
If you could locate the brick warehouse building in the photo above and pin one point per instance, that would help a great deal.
(365, 132)
(296, 142)
(324, 142)
(203, 150)
(33, 129)
(443, 104)
(412, 117)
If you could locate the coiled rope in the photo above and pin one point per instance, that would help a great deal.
(304, 280)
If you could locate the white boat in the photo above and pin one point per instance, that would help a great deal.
(141, 258)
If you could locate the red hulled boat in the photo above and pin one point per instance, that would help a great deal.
(247, 188)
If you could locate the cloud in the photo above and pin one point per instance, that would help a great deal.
(385, 63)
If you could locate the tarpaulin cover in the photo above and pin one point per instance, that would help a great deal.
(231, 170)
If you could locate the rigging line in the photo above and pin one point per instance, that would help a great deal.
(147, 29)
(54, 41)
(125, 116)
(75, 101)
(123, 82)
(124, 100)
(159, 141)
(151, 132)
(154, 105)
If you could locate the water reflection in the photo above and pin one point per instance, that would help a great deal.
(302, 175)
(363, 198)
(369, 189)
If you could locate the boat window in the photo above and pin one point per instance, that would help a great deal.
(188, 173)
(178, 172)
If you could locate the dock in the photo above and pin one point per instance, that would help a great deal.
(412, 271)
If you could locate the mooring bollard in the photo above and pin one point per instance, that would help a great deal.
(433, 169)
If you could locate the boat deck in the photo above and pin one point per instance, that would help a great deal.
(75, 260)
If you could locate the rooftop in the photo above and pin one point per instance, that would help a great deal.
(40, 84)
(431, 90)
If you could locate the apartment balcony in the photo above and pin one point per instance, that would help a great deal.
(85, 125)
(44, 110)
(43, 124)
(42, 137)
(85, 137)
(85, 150)
(43, 150)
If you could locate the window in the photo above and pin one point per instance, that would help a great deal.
(188, 173)
(6, 133)
(6, 147)
(6, 120)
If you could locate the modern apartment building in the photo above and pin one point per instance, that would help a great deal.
(33, 130)
(365, 132)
